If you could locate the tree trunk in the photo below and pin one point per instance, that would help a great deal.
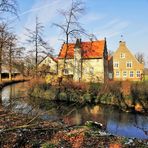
(1, 63)
(10, 63)
(36, 50)
(65, 53)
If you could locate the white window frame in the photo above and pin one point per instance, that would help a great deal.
(138, 74)
(117, 76)
(124, 72)
(131, 74)
(66, 72)
(122, 55)
(129, 63)
(116, 64)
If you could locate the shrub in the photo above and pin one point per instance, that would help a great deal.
(48, 145)
(87, 97)
(73, 95)
(139, 92)
(63, 96)
(81, 86)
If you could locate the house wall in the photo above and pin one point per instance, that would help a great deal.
(49, 62)
(93, 70)
(122, 69)
(77, 76)
(69, 66)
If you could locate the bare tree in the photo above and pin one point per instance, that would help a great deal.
(9, 6)
(4, 37)
(71, 27)
(40, 46)
(140, 57)
(13, 55)
(11, 44)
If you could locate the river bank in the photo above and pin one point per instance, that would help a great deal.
(128, 96)
(6, 82)
(17, 130)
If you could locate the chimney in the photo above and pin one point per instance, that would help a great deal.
(122, 43)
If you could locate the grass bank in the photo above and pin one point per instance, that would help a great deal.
(128, 96)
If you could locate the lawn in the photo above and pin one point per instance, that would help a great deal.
(146, 77)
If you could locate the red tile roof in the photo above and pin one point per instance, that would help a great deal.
(92, 49)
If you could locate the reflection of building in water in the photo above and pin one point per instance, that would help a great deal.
(96, 110)
(97, 114)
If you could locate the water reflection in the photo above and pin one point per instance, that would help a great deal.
(0, 99)
(116, 122)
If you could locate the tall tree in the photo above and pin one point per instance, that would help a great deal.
(71, 27)
(11, 52)
(40, 46)
(4, 37)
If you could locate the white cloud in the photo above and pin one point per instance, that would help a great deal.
(46, 11)
(92, 17)
(113, 28)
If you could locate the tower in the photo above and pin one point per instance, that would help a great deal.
(77, 61)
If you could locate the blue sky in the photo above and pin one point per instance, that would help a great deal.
(104, 18)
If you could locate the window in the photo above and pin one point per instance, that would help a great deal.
(117, 74)
(131, 74)
(86, 70)
(138, 74)
(65, 71)
(129, 64)
(91, 70)
(124, 74)
(116, 64)
(122, 55)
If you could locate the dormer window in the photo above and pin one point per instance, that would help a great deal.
(122, 55)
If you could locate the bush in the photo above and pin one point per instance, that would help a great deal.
(47, 145)
(87, 97)
(73, 95)
(81, 86)
(139, 93)
(63, 96)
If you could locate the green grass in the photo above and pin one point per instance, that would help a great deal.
(146, 78)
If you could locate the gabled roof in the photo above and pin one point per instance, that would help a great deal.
(91, 49)
(53, 58)
(122, 48)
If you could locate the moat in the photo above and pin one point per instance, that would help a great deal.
(14, 97)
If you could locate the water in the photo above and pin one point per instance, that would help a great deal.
(116, 122)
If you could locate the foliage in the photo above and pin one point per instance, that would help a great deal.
(38, 87)
(63, 96)
(139, 93)
(108, 93)
(48, 145)
(81, 86)
(87, 97)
